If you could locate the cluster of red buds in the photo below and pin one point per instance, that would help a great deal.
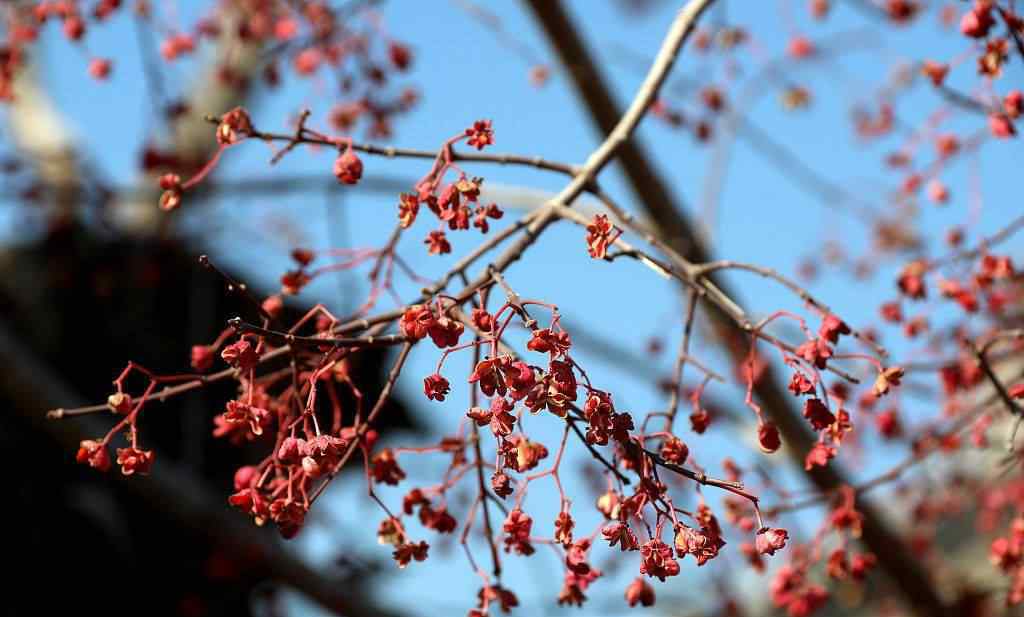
(456, 204)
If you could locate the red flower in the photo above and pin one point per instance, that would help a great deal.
(245, 476)
(656, 560)
(437, 243)
(845, 516)
(483, 320)
(119, 402)
(202, 357)
(1001, 126)
(257, 418)
(818, 414)
(600, 414)
(832, 327)
(445, 332)
(911, 280)
(571, 592)
(481, 417)
(562, 379)
(838, 566)
(482, 213)
(292, 450)
(172, 191)
(700, 420)
(1013, 103)
(997, 267)
(170, 182)
(177, 45)
(807, 602)
(400, 55)
(74, 28)
(991, 62)
(273, 305)
(343, 117)
(289, 516)
(469, 187)
(546, 340)
(819, 456)
(816, 351)
(935, 71)
(325, 449)
(886, 379)
(563, 528)
(520, 378)
(480, 134)
(861, 565)
(712, 98)
(976, 22)
(703, 544)
(250, 501)
(621, 534)
(640, 592)
(501, 484)
(800, 384)
(133, 460)
(888, 424)
(675, 451)
(240, 355)
(496, 593)
(389, 531)
(786, 584)
(348, 169)
(293, 281)
(384, 468)
(800, 47)
(517, 532)
(490, 378)
(408, 208)
(946, 145)
(412, 499)
(1005, 554)
(416, 321)
(608, 504)
(501, 420)
(438, 520)
(891, 312)
(457, 217)
(768, 437)
(599, 236)
(522, 454)
(436, 387)
(576, 557)
(407, 552)
(99, 68)
(94, 453)
(770, 540)
(307, 61)
(233, 126)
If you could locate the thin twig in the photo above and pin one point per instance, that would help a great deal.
(316, 342)
(681, 359)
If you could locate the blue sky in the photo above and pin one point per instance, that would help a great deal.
(465, 73)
